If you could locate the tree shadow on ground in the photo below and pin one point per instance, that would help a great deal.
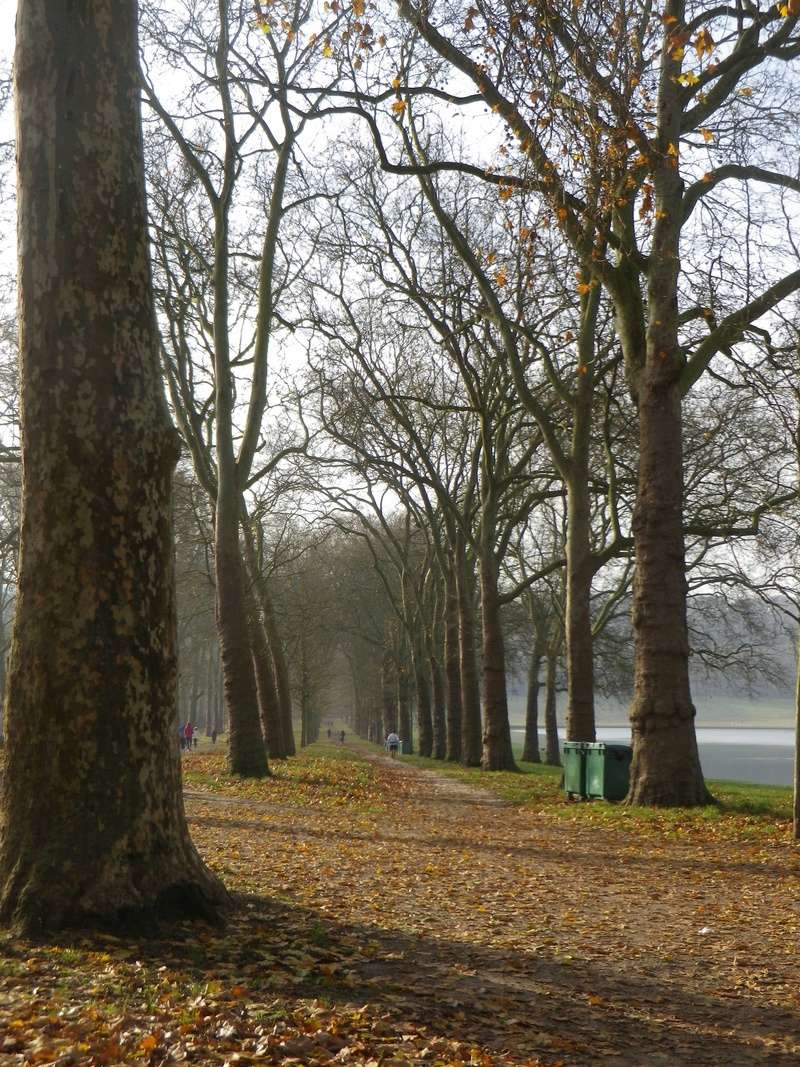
(524, 1006)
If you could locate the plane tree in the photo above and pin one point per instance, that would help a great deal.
(404, 416)
(94, 824)
(663, 111)
(225, 143)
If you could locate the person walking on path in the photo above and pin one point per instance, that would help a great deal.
(393, 744)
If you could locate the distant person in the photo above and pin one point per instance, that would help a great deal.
(393, 744)
(214, 736)
(341, 738)
(188, 731)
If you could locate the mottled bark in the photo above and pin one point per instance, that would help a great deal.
(497, 752)
(552, 746)
(452, 669)
(94, 822)
(471, 741)
(530, 750)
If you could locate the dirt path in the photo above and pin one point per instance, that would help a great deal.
(534, 939)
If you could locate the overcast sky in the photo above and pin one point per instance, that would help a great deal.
(7, 10)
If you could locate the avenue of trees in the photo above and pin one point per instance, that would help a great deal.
(372, 355)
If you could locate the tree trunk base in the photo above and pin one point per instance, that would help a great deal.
(665, 771)
(499, 763)
(646, 793)
(34, 902)
(248, 764)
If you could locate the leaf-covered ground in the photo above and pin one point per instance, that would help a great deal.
(390, 915)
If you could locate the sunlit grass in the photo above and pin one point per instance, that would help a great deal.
(742, 809)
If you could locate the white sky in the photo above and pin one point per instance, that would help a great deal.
(8, 10)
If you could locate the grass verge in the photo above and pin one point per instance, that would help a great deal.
(743, 810)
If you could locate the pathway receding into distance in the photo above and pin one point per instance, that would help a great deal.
(530, 936)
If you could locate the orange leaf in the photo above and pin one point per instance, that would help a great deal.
(703, 43)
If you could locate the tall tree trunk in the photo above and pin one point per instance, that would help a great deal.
(247, 754)
(92, 681)
(666, 764)
(530, 751)
(497, 752)
(470, 701)
(209, 711)
(279, 665)
(2, 653)
(439, 746)
(266, 688)
(579, 573)
(552, 746)
(389, 692)
(195, 691)
(471, 742)
(404, 722)
(796, 798)
(423, 692)
(219, 704)
(305, 709)
(452, 668)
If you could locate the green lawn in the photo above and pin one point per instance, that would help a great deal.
(743, 809)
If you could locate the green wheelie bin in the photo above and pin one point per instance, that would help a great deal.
(607, 770)
(574, 760)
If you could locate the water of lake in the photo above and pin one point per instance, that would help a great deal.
(738, 754)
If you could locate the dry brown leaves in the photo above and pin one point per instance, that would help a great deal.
(388, 916)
